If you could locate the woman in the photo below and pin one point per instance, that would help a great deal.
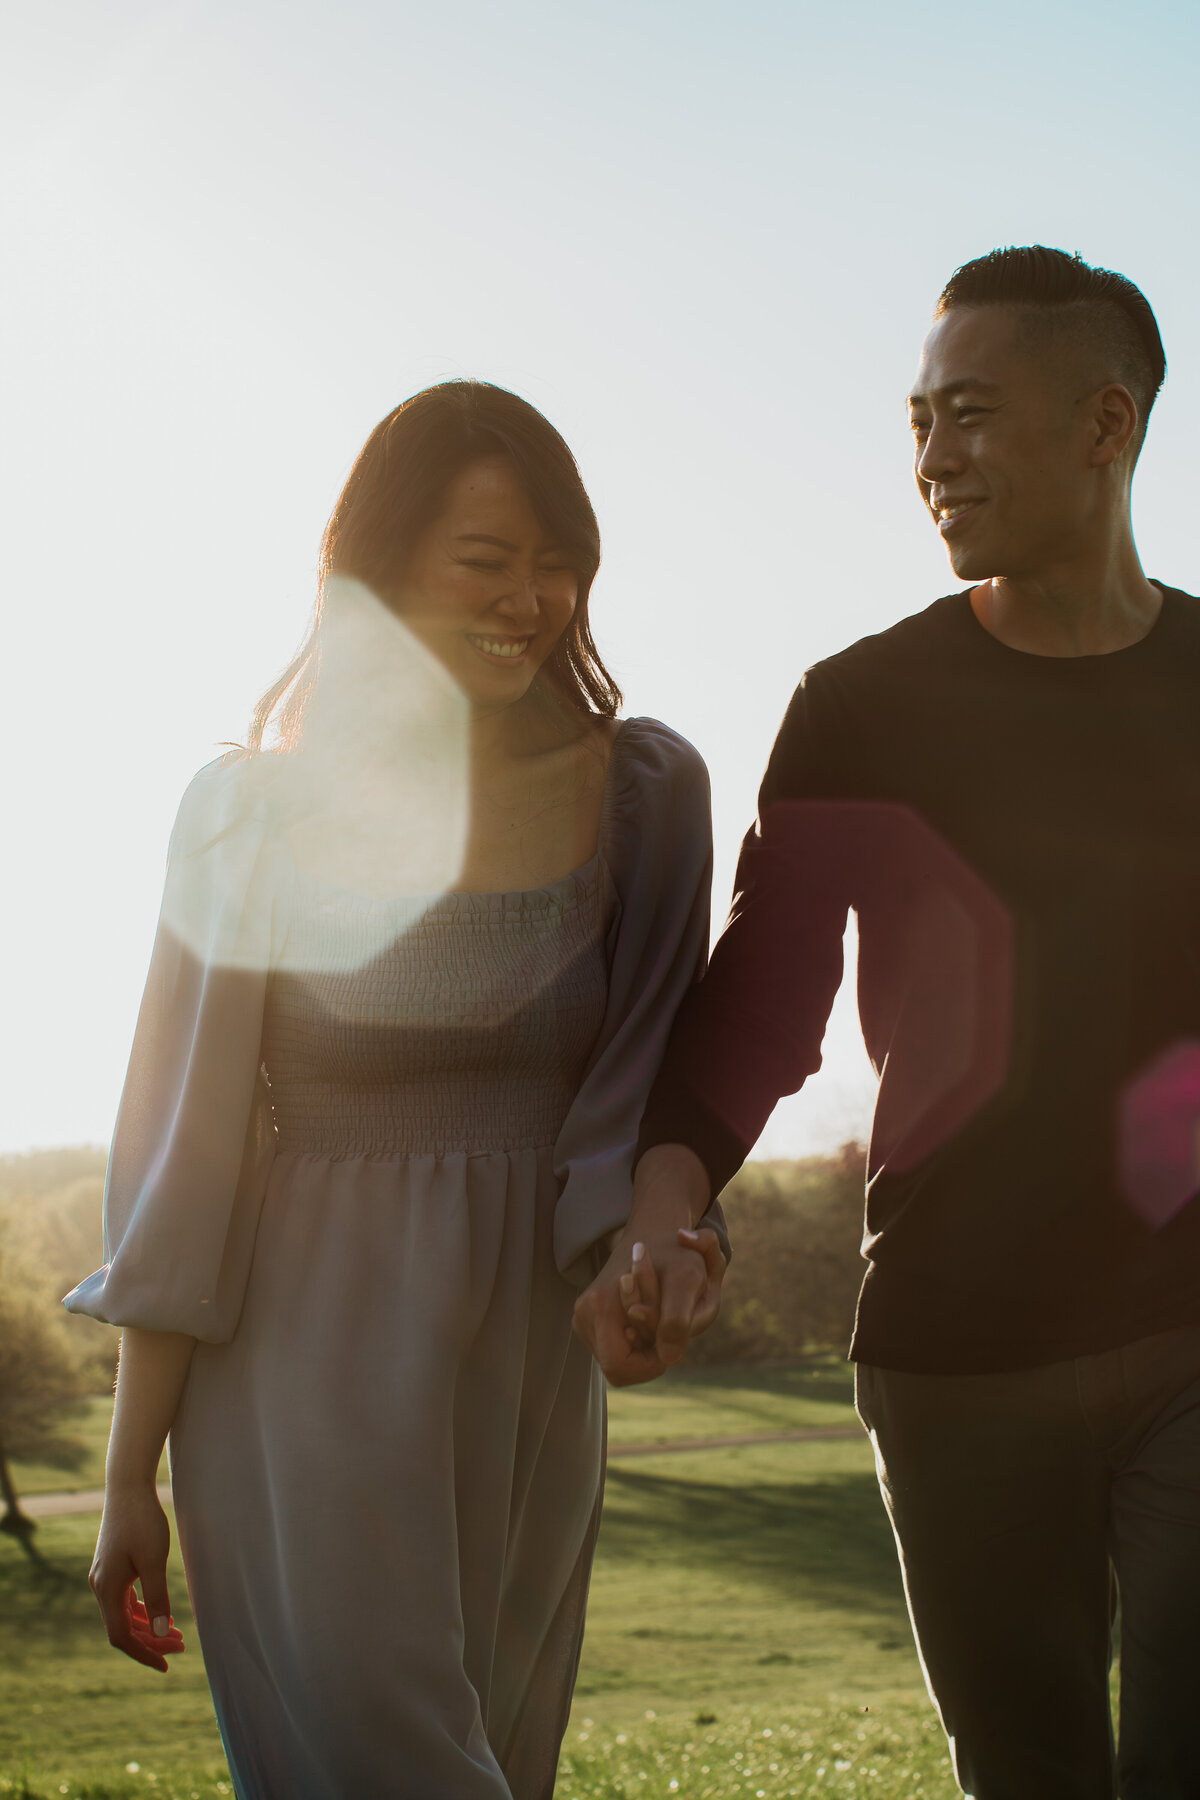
(412, 981)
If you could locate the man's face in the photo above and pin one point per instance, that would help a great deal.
(1000, 443)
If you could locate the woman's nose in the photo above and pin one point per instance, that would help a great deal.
(522, 600)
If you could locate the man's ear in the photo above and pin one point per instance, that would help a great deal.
(1113, 423)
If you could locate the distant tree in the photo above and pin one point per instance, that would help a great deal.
(44, 1382)
(53, 1202)
(796, 1233)
(35, 1172)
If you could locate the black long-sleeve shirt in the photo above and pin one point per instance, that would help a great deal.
(1020, 838)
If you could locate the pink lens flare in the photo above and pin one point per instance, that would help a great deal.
(1159, 1135)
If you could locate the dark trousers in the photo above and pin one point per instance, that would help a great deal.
(1016, 1499)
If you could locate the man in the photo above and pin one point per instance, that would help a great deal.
(1006, 787)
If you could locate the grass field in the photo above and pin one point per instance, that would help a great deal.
(746, 1637)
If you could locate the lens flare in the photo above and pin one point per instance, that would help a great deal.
(373, 805)
(1159, 1135)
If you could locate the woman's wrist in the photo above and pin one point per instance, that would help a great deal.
(137, 1477)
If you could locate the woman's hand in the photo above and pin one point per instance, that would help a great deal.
(132, 1546)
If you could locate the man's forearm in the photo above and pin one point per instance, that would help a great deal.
(670, 1187)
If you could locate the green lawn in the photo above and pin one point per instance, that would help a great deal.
(746, 1634)
(722, 1402)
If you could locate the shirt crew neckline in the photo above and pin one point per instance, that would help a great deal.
(1145, 646)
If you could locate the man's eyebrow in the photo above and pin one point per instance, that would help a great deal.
(975, 383)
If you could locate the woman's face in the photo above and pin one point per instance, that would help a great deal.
(486, 591)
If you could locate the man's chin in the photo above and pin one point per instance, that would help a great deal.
(968, 564)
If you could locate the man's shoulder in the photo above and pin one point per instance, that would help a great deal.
(936, 630)
(1184, 606)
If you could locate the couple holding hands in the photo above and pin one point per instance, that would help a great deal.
(432, 1096)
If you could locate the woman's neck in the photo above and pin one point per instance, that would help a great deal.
(528, 727)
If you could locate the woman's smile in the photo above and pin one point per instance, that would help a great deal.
(494, 648)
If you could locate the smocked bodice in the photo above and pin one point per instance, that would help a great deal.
(401, 1027)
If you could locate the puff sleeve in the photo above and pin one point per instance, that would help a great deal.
(657, 844)
(194, 1137)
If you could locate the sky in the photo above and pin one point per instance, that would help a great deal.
(705, 239)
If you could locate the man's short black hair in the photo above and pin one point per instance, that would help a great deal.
(1095, 310)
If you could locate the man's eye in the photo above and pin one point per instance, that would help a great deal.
(473, 562)
(919, 426)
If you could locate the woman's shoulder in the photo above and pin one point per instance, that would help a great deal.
(657, 811)
(222, 870)
(653, 754)
(229, 793)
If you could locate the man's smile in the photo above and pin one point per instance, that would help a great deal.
(952, 515)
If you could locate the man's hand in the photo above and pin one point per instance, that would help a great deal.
(670, 1331)
(677, 1289)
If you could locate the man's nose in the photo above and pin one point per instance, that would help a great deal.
(941, 454)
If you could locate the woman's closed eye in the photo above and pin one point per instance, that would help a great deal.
(477, 562)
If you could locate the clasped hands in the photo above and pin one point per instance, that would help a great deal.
(661, 1285)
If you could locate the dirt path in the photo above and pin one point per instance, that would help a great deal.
(660, 1448)
(52, 1506)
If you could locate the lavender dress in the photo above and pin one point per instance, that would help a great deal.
(364, 1151)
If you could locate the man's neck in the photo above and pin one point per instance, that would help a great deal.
(1070, 612)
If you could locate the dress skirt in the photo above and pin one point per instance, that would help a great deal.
(388, 1484)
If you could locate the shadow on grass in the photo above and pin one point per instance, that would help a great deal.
(819, 1541)
(44, 1607)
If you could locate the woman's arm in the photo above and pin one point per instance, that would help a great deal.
(134, 1534)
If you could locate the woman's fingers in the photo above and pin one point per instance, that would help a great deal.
(159, 1630)
(126, 1623)
(640, 1296)
(641, 1283)
(155, 1604)
(602, 1322)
